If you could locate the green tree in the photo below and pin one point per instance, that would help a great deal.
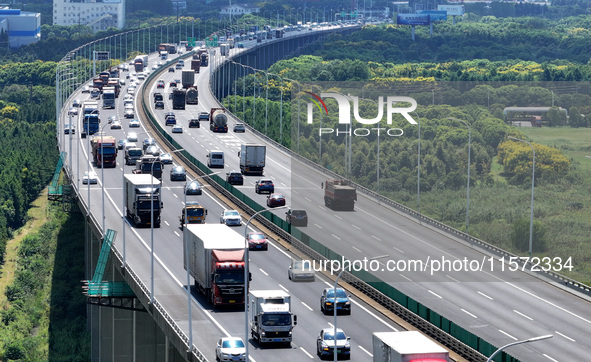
(520, 235)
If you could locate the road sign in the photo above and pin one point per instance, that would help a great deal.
(413, 19)
(435, 15)
(101, 55)
(191, 41)
(212, 41)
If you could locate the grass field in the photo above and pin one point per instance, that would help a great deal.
(574, 142)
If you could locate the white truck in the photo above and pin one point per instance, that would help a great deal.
(405, 347)
(109, 97)
(225, 49)
(271, 319)
(142, 199)
(216, 262)
(252, 158)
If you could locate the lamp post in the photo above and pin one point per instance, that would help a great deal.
(103, 170)
(334, 307)
(533, 175)
(534, 339)
(468, 182)
(246, 274)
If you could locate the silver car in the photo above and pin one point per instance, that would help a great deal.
(231, 218)
(301, 271)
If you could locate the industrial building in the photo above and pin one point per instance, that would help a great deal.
(22, 27)
(98, 15)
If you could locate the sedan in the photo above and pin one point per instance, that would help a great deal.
(116, 125)
(69, 128)
(73, 111)
(326, 341)
(297, 217)
(159, 105)
(230, 349)
(121, 143)
(89, 178)
(300, 271)
(129, 113)
(160, 84)
(172, 84)
(327, 301)
(264, 185)
(86, 89)
(134, 123)
(166, 158)
(275, 200)
(177, 128)
(152, 150)
(193, 188)
(231, 218)
(178, 173)
(171, 70)
(257, 241)
(234, 178)
(132, 137)
(131, 90)
(239, 127)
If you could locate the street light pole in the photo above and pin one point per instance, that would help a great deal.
(103, 170)
(534, 339)
(419, 169)
(468, 182)
(246, 248)
(533, 175)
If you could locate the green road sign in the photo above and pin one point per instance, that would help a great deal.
(191, 41)
(212, 41)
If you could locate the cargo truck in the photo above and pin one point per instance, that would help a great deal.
(188, 78)
(192, 96)
(142, 199)
(225, 49)
(204, 59)
(196, 213)
(271, 319)
(140, 62)
(339, 195)
(218, 121)
(149, 164)
(252, 159)
(109, 97)
(406, 347)
(195, 65)
(91, 120)
(179, 98)
(104, 151)
(216, 262)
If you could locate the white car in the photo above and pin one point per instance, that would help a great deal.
(141, 76)
(230, 349)
(166, 158)
(131, 90)
(116, 125)
(129, 113)
(177, 128)
(73, 111)
(134, 123)
(89, 178)
(231, 218)
(132, 137)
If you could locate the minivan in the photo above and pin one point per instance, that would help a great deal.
(215, 159)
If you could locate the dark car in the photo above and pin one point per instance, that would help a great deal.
(327, 301)
(275, 200)
(171, 70)
(203, 116)
(264, 185)
(297, 217)
(158, 97)
(257, 241)
(121, 143)
(194, 123)
(172, 84)
(193, 188)
(178, 173)
(148, 142)
(234, 178)
(170, 119)
(159, 105)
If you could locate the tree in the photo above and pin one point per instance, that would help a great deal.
(520, 235)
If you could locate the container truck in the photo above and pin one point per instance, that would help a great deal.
(91, 120)
(252, 158)
(108, 97)
(149, 164)
(179, 98)
(140, 62)
(195, 65)
(196, 213)
(225, 49)
(204, 59)
(188, 78)
(104, 151)
(339, 195)
(406, 347)
(218, 121)
(216, 262)
(192, 96)
(271, 319)
(142, 199)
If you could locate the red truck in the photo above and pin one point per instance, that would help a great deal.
(339, 195)
(104, 150)
(216, 262)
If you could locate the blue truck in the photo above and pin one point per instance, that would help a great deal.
(91, 121)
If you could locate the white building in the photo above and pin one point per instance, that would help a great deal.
(238, 10)
(22, 27)
(97, 15)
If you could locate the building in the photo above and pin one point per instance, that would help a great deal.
(238, 10)
(98, 15)
(22, 27)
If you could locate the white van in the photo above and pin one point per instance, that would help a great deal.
(215, 159)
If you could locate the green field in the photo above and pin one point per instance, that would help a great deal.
(574, 142)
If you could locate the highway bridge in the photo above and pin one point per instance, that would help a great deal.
(154, 325)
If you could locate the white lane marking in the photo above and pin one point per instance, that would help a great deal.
(306, 352)
(330, 324)
(468, 313)
(367, 311)
(305, 305)
(398, 250)
(336, 237)
(435, 294)
(177, 234)
(550, 358)
(264, 272)
(523, 315)
(507, 334)
(375, 237)
(175, 195)
(565, 336)
(338, 217)
(454, 279)
(318, 226)
(405, 277)
(366, 351)
(307, 199)
(356, 227)
(167, 224)
(359, 250)
(484, 295)
(284, 288)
